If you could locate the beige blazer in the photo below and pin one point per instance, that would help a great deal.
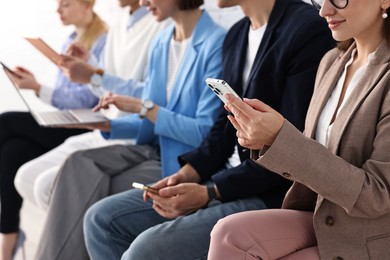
(352, 176)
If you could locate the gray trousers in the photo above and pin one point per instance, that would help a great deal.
(85, 178)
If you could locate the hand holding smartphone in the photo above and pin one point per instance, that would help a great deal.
(144, 187)
(8, 70)
(220, 88)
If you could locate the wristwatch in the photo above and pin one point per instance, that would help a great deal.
(211, 192)
(97, 78)
(147, 104)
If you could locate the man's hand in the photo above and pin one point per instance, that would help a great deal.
(179, 194)
(76, 69)
(185, 174)
(78, 50)
(179, 200)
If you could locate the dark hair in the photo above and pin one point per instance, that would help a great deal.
(344, 45)
(189, 4)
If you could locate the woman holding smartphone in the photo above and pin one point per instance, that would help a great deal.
(21, 138)
(339, 204)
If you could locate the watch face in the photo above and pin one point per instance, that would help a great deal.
(148, 104)
(96, 79)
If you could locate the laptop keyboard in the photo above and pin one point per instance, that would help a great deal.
(58, 117)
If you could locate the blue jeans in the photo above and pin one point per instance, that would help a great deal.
(123, 225)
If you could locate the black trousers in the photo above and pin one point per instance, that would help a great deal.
(21, 140)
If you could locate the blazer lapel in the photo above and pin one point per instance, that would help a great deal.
(377, 67)
(160, 68)
(276, 14)
(185, 69)
(324, 88)
(189, 58)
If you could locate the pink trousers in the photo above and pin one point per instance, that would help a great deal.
(264, 234)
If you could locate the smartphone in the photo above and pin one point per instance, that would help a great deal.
(9, 70)
(220, 88)
(144, 187)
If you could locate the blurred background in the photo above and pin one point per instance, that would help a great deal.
(38, 18)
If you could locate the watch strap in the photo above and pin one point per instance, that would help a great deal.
(143, 112)
(99, 71)
(211, 192)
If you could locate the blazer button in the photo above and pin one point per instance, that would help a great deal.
(329, 221)
(337, 258)
(286, 174)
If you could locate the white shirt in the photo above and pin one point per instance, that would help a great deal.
(176, 54)
(254, 40)
(324, 126)
(127, 50)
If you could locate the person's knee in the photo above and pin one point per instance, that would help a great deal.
(3, 119)
(9, 118)
(95, 217)
(26, 177)
(8, 121)
(224, 228)
(90, 217)
(6, 116)
(21, 180)
(219, 230)
(43, 189)
(76, 155)
(78, 141)
(146, 246)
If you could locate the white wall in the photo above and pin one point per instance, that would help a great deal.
(38, 18)
(20, 18)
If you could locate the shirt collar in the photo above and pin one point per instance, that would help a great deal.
(136, 16)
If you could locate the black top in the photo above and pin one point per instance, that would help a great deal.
(282, 76)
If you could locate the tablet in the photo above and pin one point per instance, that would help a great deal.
(45, 49)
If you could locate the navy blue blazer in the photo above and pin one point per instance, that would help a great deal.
(282, 76)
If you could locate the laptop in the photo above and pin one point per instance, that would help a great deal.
(61, 117)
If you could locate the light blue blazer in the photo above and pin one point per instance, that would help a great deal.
(184, 121)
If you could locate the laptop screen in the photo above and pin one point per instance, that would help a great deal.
(7, 72)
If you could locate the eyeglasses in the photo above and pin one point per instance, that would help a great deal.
(339, 4)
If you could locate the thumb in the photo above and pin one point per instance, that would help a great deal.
(169, 191)
(258, 105)
(173, 180)
(22, 70)
(64, 60)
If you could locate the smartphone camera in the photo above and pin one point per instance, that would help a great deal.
(216, 90)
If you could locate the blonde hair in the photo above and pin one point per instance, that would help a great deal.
(94, 30)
